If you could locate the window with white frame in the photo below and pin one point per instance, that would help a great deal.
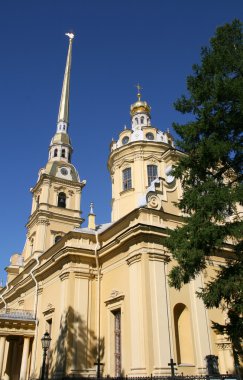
(152, 171)
(126, 179)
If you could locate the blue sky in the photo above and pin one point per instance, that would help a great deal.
(117, 44)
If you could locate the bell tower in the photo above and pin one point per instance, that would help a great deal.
(140, 162)
(56, 196)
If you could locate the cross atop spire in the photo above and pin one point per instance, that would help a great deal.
(139, 88)
(70, 35)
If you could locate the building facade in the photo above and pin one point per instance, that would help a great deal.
(101, 292)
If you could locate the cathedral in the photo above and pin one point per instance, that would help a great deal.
(100, 293)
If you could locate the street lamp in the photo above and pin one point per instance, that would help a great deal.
(45, 341)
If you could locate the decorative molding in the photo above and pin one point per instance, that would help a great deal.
(64, 276)
(83, 275)
(125, 163)
(53, 232)
(224, 346)
(40, 291)
(159, 257)
(49, 309)
(138, 156)
(46, 181)
(134, 259)
(21, 302)
(43, 221)
(153, 201)
(59, 188)
(115, 297)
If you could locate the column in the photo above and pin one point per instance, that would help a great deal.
(201, 326)
(24, 362)
(160, 309)
(40, 242)
(226, 361)
(2, 347)
(137, 338)
(9, 361)
(77, 199)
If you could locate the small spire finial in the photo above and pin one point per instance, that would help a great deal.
(91, 208)
(139, 88)
(91, 217)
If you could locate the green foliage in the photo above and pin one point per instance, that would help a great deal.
(211, 176)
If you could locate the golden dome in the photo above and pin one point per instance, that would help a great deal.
(139, 106)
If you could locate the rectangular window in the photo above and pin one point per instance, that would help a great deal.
(117, 335)
(48, 358)
(152, 171)
(126, 179)
(49, 325)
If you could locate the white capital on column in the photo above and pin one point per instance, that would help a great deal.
(24, 362)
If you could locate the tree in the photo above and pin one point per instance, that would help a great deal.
(211, 175)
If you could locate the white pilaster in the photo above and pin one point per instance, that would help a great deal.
(201, 326)
(81, 297)
(161, 324)
(137, 338)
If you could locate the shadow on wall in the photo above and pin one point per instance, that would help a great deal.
(75, 350)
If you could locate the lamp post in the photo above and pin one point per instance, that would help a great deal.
(45, 341)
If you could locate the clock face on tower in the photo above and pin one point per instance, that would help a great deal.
(64, 171)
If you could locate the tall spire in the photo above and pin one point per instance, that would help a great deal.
(60, 147)
(63, 115)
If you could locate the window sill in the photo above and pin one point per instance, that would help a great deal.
(127, 191)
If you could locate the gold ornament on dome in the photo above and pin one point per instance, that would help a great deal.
(139, 106)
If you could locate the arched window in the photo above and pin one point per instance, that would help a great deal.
(63, 153)
(61, 200)
(142, 119)
(152, 171)
(37, 201)
(126, 179)
(136, 119)
(57, 238)
(55, 153)
(183, 335)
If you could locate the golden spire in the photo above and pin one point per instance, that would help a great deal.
(63, 114)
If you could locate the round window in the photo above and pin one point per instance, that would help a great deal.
(64, 171)
(150, 136)
(125, 140)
